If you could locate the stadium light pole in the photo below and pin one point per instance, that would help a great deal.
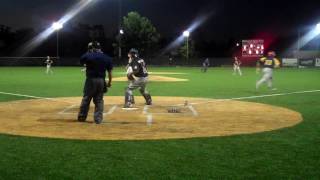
(186, 34)
(121, 33)
(57, 27)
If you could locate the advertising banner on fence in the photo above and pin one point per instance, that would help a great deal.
(289, 62)
(317, 62)
(307, 62)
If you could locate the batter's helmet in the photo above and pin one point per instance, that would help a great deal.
(271, 54)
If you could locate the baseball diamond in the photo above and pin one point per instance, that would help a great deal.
(55, 118)
(159, 89)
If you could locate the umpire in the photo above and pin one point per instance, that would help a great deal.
(97, 63)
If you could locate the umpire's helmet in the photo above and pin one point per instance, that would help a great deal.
(134, 52)
(94, 45)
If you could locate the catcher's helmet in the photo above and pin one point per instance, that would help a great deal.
(94, 45)
(134, 51)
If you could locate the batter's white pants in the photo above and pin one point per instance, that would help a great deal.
(237, 69)
(49, 70)
(266, 78)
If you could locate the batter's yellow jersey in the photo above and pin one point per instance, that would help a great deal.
(269, 62)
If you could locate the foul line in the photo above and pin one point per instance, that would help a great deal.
(24, 95)
(272, 95)
(253, 97)
(34, 97)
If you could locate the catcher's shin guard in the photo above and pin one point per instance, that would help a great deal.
(132, 99)
(146, 96)
(148, 99)
(129, 99)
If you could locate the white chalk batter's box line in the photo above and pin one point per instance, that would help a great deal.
(192, 110)
(145, 110)
(65, 111)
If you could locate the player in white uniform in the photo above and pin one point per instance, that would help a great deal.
(268, 63)
(236, 66)
(48, 62)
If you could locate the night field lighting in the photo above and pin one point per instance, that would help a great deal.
(318, 27)
(305, 39)
(186, 34)
(177, 42)
(57, 26)
(36, 41)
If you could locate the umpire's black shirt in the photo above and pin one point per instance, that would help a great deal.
(97, 64)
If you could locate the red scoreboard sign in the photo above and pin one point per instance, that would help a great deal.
(252, 48)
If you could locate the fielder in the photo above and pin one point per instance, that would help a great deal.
(137, 79)
(97, 63)
(49, 62)
(236, 66)
(205, 65)
(268, 63)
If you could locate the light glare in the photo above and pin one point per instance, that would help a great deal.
(57, 26)
(186, 33)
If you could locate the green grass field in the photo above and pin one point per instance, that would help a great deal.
(292, 153)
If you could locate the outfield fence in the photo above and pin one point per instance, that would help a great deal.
(156, 61)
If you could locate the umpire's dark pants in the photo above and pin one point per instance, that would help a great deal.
(94, 88)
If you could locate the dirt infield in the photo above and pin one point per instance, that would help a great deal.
(154, 78)
(189, 117)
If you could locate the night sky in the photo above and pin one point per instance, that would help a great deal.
(229, 18)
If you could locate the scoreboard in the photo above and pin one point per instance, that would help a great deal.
(253, 48)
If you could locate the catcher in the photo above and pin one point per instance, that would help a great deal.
(137, 79)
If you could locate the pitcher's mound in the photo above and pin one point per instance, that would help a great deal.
(169, 117)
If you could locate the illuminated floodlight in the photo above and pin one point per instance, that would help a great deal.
(121, 31)
(193, 26)
(186, 33)
(318, 27)
(57, 26)
(237, 44)
(40, 38)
